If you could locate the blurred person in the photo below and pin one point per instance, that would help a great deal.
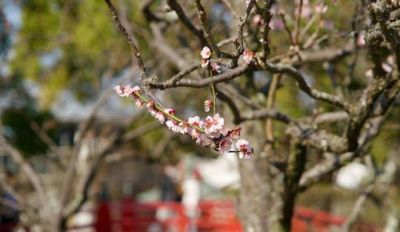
(191, 198)
(171, 189)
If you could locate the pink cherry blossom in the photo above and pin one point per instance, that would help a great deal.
(248, 56)
(207, 105)
(213, 125)
(195, 121)
(150, 104)
(257, 20)
(224, 145)
(216, 67)
(123, 90)
(136, 89)
(244, 148)
(209, 133)
(361, 40)
(234, 134)
(152, 110)
(195, 135)
(172, 126)
(160, 117)
(183, 127)
(138, 102)
(205, 53)
(276, 24)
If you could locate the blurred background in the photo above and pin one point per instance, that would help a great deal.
(69, 142)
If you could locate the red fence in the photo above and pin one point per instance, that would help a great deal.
(214, 216)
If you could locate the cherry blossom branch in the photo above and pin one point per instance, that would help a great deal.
(208, 133)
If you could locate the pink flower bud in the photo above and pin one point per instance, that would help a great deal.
(224, 145)
(248, 56)
(207, 105)
(204, 63)
(170, 111)
(205, 53)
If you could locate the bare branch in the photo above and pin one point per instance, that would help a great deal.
(226, 76)
(303, 85)
(25, 167)
(357, 209)
(135, 50)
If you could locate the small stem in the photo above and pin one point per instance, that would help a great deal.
(298, 22)
(270, 105)
(213, 92)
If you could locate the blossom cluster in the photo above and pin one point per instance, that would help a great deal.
(209, 132)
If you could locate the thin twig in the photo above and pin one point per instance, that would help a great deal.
(134, 48)
(357, 209)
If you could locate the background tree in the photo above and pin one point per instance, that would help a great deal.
(310, 83)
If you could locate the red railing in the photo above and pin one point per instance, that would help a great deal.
(214, 216)
(8, 227)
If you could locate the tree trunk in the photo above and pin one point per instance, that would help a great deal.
(260, 201)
